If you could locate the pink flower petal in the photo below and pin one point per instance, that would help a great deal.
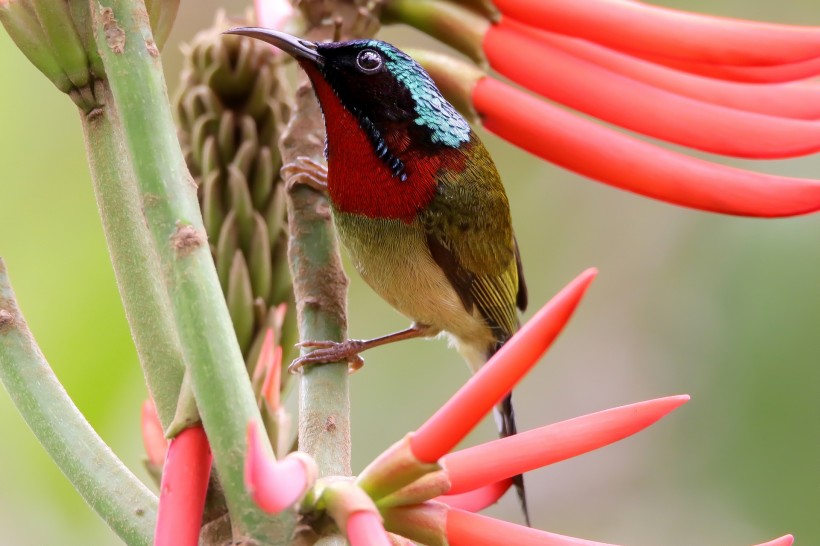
(274, 485)
(594, 90)
(634, 26)
(479, 466)
(477, 499)
(495, 379)
(365, 528)
(633, 165)
(795, 100)
(272, 13)
(183, 489)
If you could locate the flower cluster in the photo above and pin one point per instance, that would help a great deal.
(714, 84)
(421, 490)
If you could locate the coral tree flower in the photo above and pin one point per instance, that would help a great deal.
(183, 489)
(419, 490)
(667, 74)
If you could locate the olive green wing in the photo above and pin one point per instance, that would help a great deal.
(470, 236)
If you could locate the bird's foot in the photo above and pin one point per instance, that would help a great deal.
(330, 351)
(305, 171)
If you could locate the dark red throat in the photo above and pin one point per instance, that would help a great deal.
(361, 182)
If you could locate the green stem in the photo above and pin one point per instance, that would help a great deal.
(168, 196)
(319, 283)
(125, 504)
(459, 27)
(320, 288)
(132, 254)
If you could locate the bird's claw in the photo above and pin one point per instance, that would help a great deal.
(330, 351)
(305, 171)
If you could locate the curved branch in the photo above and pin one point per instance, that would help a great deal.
(124, 502)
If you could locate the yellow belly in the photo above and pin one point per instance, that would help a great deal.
(393, 258)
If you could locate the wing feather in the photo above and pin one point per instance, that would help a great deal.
(470, 236)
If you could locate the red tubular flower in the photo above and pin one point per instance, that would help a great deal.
(468, 469)
(450, 424)
(439, 525)
(153, 438)
(610, 156)
(636, 27)
(468, 529)
(752, 74)
(365, 528)
(640, 107)
(276, 485)
(634, 165)
(477, 499)
(183, 489)
(800, 100)
(415, 456)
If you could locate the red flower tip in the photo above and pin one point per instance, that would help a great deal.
(786, 540)
(265, 358)
(272, 384)
(365, 528)
(279, 315)
(478, 499)
(153, 438)
(597, 91)
(276, 485)
(183, 489)
(497, 377)
(638, 27)
(633, 165)
(470, 468)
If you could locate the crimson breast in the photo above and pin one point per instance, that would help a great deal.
(361, 182)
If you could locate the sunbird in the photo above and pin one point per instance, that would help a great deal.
(417, 201)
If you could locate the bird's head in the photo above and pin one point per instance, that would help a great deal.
(377, 83)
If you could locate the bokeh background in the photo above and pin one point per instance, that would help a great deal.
(725, 309)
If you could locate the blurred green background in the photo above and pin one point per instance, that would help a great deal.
(725, 309)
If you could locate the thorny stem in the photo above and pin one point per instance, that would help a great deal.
(132, 254)
(168, 197)
(122, 501)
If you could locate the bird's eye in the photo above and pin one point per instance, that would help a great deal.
(369, 61)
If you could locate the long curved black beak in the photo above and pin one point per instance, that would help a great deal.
(293, 46)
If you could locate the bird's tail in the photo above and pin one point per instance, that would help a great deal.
(505, 418)
(504, 415)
